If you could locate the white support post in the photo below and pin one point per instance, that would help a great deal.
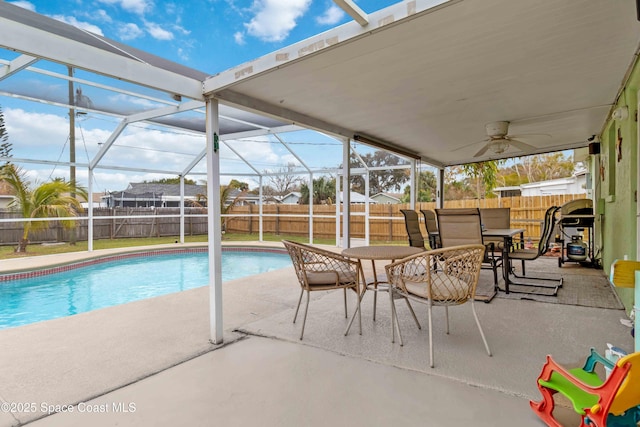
(213, 221)
(310, 208)
(440, 189)
(181, 208)
(366, 208)
(346, 199)
(90, 204)
(337, 200)
(413, 185)
(260, 212)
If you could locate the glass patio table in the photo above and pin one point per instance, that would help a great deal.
(375, 253)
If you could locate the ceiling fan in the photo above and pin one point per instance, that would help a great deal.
(498, 139)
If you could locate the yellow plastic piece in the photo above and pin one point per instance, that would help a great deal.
(623, 273)
(595, 408)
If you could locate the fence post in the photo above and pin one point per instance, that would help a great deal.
(390, 223)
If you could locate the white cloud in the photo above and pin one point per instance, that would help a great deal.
(126, 101)
(274, 19)
(183, 54)
(44, 136)
(181, 30)
(102, 15)
(158, 32)
(27, 130)
(239, 38)
(331, 16)
(135, 6)
(24, 4)
(80, 24)
(129, 31)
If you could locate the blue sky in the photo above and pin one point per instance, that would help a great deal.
(208, 35)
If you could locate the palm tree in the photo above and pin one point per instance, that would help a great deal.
(323, 191)
(226, 203)
(50, 199)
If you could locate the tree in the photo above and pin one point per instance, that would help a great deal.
(285, 180)
(175, 180)
(456, 185)
(225, 194)
(50, 199)
(427, 186)
(379, 180)
(541, 167)
(5, 145)
(323, 191)
(238, 185)
(484, 175)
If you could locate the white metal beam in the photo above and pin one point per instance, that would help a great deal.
(18, 64)
(280, 113)
(165, 111)
(354, 11)
(105, 147)
(43, 44)
(261, 132)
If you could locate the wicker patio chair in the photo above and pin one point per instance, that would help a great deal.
(443, 277)
(321, 270)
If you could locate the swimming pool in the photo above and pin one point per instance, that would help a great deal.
(89, 285)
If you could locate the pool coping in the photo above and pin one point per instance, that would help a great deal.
(49, 264)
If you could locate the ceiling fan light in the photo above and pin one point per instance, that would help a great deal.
(499, 146)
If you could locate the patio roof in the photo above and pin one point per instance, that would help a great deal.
(424, 77)
(421, 77)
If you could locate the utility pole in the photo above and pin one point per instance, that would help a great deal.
(72, 146)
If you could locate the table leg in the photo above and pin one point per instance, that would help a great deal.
(358, 311)
(375, 288)
(506, 263)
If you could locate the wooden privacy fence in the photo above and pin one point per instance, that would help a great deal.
(111, 223)
(386, 222)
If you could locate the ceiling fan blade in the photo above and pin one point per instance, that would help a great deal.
(482, 151)
(528, 135)
(523, 146)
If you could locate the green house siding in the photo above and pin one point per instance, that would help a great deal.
(616, 184)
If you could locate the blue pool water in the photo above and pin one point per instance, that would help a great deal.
(111, 283)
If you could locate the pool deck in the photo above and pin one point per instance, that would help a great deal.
(151, 363)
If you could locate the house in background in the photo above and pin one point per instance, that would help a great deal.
(149, 195)
(291, 198)
(5, 199)
(387, 198)
(576, 184)
(99, 201)
(5, 195)
(357, 198)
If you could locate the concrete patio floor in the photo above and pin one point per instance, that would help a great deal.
(153, 358)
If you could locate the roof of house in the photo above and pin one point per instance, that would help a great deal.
(395, 196)
(190, 190)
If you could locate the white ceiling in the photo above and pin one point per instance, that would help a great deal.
(423, 77)
(426, 76)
